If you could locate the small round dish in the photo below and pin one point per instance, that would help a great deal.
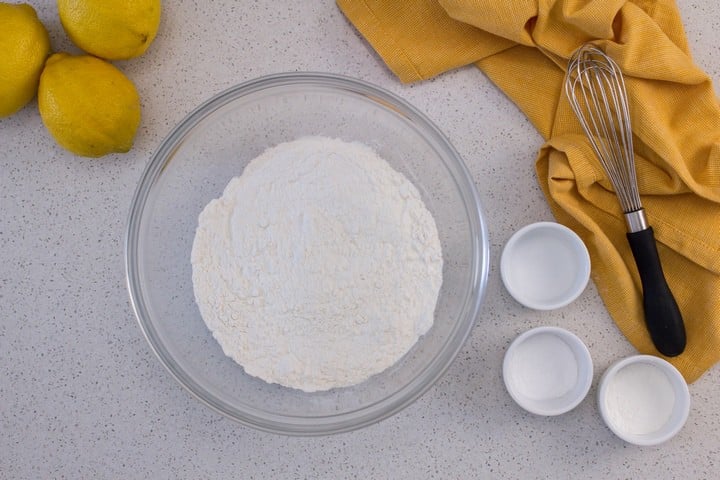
(547, 370)
(545, 266)
(644, 400)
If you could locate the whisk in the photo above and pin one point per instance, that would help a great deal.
(595, 87)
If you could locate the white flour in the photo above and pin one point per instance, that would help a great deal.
(318, 267)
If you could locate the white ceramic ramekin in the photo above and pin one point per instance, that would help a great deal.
(644, 400)
(545, 266)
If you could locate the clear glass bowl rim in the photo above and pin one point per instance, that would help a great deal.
(346, 421)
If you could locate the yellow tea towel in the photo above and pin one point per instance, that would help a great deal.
(523, 47)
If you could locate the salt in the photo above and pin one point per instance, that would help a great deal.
(640, 399)
(546, 367)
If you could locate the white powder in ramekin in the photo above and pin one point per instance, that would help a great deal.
(640, 399)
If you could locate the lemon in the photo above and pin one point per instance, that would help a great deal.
(24, 46)
(89, 106)
(111, 30)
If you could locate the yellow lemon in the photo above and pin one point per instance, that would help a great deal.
(24, 46)
(89, 106)
(113, 30)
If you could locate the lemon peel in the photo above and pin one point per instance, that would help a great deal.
(24, 46)
(111, 30)
(89, 106)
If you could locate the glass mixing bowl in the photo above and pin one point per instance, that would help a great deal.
(213, 144)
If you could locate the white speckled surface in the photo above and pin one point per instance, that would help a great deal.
(81, 394)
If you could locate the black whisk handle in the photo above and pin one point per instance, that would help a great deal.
(662, 315)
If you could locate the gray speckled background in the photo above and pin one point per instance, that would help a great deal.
(81, 394)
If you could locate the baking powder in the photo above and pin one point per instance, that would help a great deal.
(318, 267)
(640, 399)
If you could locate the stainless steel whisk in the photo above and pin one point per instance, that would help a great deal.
(595, 87)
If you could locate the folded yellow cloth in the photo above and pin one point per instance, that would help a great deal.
(523, 47)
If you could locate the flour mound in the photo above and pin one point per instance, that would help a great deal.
(319, 266)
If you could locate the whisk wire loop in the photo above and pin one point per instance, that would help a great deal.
(596, 91)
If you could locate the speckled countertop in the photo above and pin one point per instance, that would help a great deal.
(81, 393)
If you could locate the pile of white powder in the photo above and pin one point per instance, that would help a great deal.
(318, 267)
